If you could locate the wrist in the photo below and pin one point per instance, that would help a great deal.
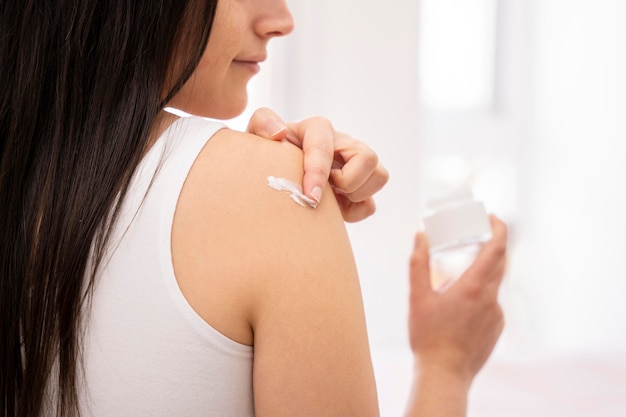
(438, 390)
(445, 373)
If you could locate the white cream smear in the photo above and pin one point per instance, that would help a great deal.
(294, 190)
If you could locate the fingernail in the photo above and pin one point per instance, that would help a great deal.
(275, 127)
(316, 193)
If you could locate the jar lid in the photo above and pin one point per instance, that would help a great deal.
(456, 219)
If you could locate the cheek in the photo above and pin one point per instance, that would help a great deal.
(209, 64)
(208, 78)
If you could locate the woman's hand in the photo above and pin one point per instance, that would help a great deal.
(452, 333)
(351, 166)
(455, 331)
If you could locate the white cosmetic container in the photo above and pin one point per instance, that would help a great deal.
(457, 226)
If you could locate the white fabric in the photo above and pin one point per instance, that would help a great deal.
(147, 352)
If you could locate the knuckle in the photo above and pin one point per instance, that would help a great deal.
(322, 148)
(359, 211)
(317, 123)
(383, 176)
(370, 159)
(327, 149)
(368, 156)
(262, 111)
(474, 290)
(320, 120)
(497, 317)
(493, 305)
(369, 208)
(341, 136)
(320, 170)
(497, 249)
(352, 217)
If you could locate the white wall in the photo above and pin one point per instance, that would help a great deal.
(355, 61)
(577, 196)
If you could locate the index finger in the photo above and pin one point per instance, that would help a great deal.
(419, 269)
(267, 124)
(318, 147)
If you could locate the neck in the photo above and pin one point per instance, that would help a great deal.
(163, 120)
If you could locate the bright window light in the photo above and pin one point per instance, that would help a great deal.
(457, 54)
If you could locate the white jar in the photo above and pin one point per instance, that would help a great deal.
(457, 226)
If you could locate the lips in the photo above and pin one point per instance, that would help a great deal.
(250, 62)
(252, 66)
(256, 58)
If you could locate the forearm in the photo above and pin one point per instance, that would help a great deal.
(437, 392)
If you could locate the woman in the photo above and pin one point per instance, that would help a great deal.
(145, 261)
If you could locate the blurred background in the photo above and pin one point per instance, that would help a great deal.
(524, 101)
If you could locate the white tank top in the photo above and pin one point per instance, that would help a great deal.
(146, 351)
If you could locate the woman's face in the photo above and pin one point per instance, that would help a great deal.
(238, 43)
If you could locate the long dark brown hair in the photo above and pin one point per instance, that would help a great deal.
(82, 84)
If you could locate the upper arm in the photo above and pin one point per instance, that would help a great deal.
(289, 273)
(310, 342)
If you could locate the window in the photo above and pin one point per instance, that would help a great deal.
(457, 54)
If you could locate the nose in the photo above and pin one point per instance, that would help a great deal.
(274, 20)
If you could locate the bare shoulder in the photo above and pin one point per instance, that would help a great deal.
(231, 229)
(269, 272)
(230, 182)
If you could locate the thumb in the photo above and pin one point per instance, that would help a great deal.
(419, 269)
(267, 124)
